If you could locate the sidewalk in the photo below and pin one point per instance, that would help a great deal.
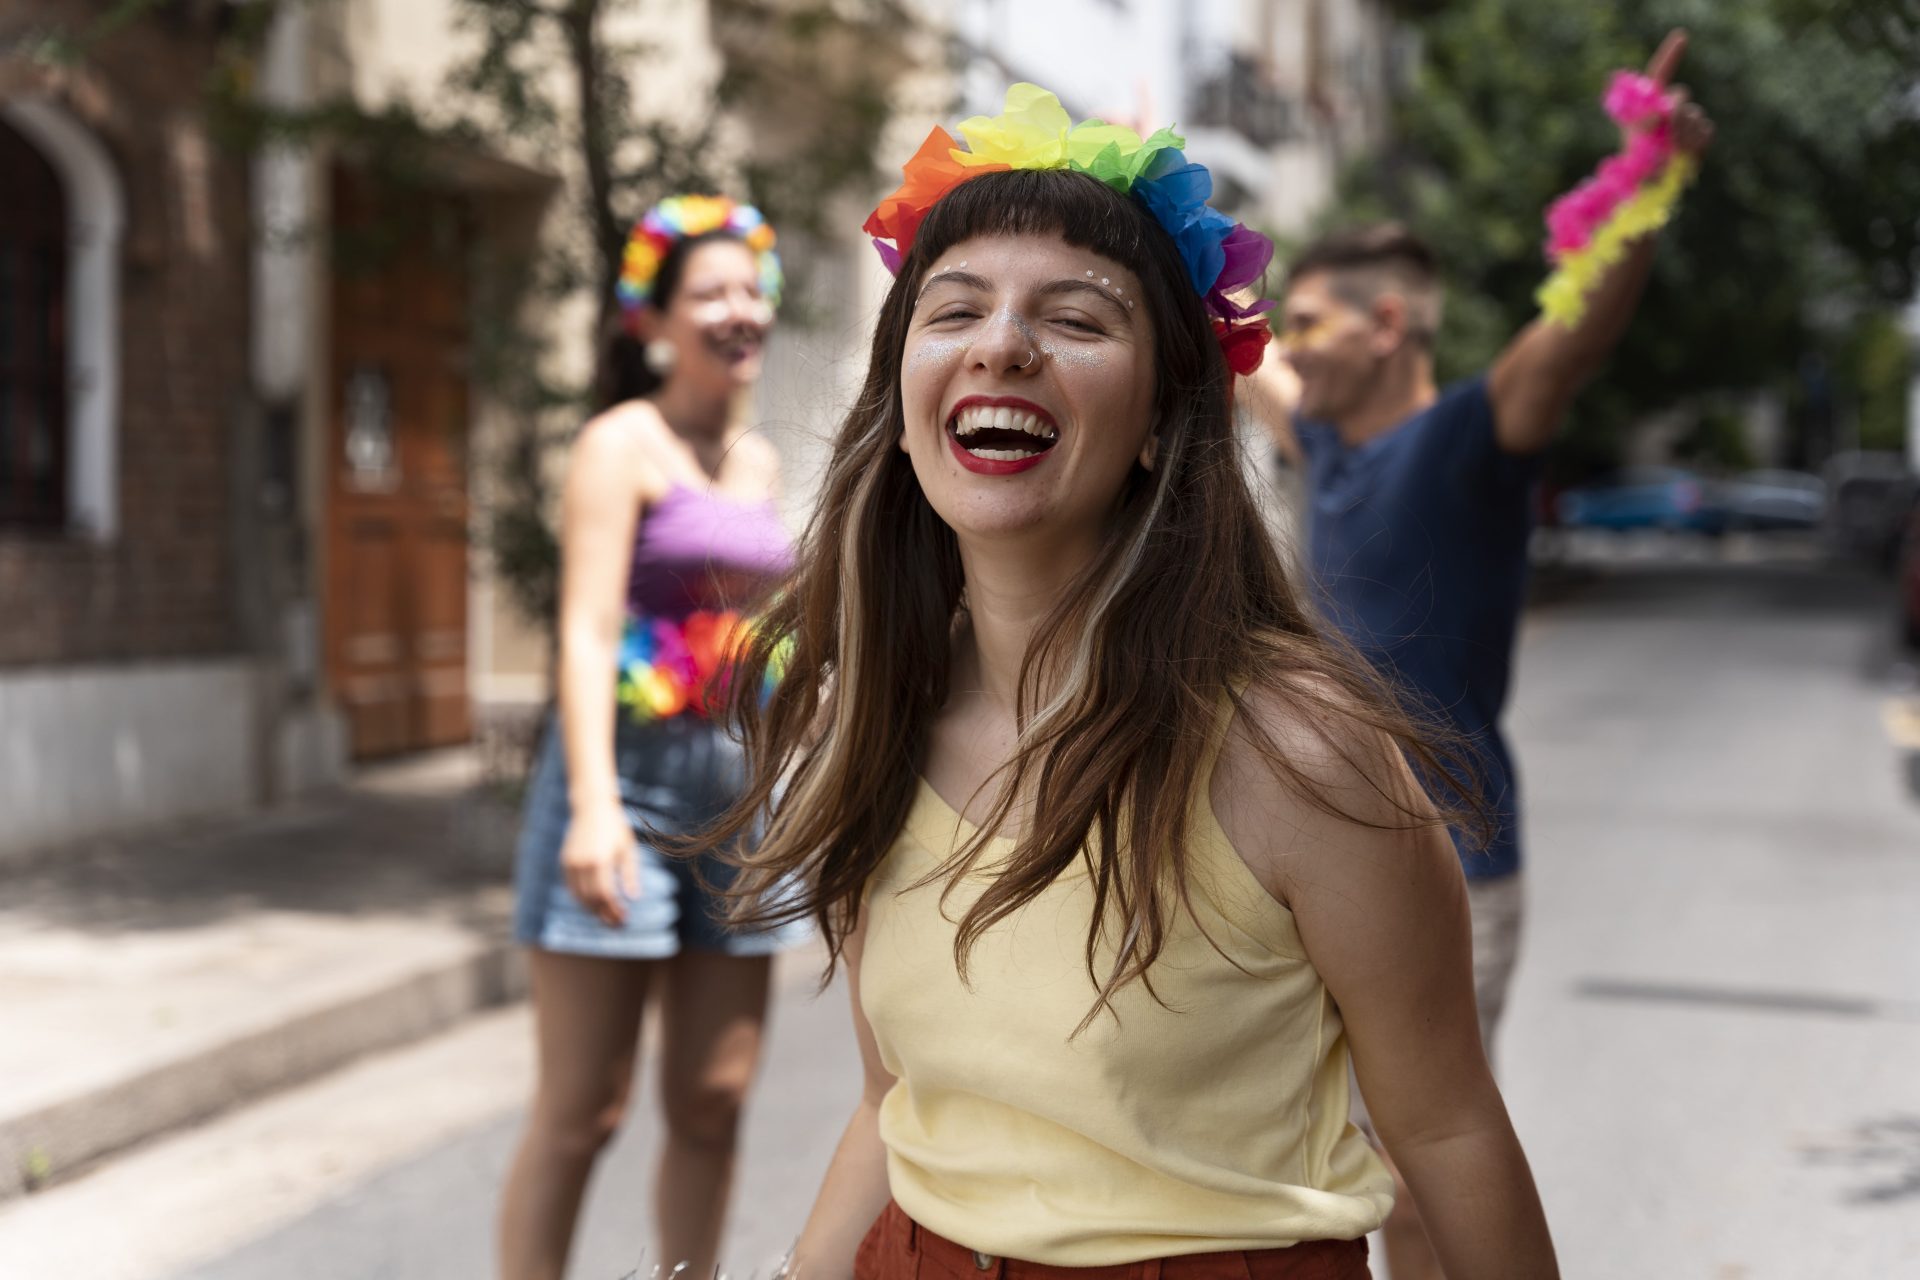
(154, 981)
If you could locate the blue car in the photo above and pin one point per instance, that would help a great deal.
(1645, 498)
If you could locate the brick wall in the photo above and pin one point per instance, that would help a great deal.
(165, 587)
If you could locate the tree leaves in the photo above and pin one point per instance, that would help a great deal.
(1803, 219)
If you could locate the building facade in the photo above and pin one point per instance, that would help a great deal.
(246, 453)
(127, 690)
(246, 456)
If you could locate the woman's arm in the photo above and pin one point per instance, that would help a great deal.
(1383, 915)
(600, 507)
(854, 1191)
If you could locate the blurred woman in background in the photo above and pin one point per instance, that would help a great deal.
(669, 529)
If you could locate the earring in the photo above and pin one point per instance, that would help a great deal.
(660, 356)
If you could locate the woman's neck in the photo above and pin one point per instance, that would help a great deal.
(703, 417)
(1011, 587)
(1403, 387)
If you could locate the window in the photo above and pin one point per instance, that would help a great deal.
(33, 338)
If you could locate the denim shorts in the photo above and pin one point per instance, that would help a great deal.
(675, 776)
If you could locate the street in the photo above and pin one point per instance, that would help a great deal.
(1712, 1053)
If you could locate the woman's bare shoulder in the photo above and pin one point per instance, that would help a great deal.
(1306, 767)
(631, 426)
(620, 447)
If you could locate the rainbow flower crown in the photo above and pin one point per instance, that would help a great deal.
(1223, 257)
(678, 217)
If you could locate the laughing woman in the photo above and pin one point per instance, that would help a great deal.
(1123, 860)
(668, 525)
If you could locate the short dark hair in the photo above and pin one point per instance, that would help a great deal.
(1365, 262)
(1384, 244)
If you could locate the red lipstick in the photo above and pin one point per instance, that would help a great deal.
(997, 466)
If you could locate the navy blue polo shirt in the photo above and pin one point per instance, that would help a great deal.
(1417, 540)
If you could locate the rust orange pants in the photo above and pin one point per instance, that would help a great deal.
(898, 1248)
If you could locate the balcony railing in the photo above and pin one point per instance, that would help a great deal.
(1238, 96)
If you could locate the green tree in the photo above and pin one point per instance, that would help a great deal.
(1803, 218)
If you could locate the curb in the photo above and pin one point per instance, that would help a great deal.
(57, 1141)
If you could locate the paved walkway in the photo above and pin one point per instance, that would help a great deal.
(150, 982)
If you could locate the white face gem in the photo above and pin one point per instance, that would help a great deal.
(1104, 280)
(1089, 275)
(963, 262)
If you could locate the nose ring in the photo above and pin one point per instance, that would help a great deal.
(1031, 357)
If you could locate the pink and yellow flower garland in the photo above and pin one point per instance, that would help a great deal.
(1632, 194)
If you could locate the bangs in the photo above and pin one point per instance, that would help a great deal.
(1087, 214)
(1078, 208)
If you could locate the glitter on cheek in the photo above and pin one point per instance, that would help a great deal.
(934, 352)
(1073, 357)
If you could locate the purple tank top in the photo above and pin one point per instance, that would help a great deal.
(699, 550)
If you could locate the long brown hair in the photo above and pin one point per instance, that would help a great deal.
(1121, 692)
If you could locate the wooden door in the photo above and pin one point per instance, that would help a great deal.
(397, 575)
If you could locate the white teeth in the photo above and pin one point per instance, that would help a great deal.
(1000, 455)
(982, 417)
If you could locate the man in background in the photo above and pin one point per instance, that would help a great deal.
(1419, 512)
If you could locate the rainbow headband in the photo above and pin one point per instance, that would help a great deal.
(677, 218)
(1033, 131)
(1630, 195)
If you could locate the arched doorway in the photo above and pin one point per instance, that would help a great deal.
(33, 338)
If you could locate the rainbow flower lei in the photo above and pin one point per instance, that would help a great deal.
(669, 666)
(1630, 195)
(1034, 131)
(676, 218)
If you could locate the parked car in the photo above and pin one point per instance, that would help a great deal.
(1774, 500)
(1669, 498)
(1871, 495)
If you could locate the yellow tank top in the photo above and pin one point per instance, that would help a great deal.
(1217, 1122)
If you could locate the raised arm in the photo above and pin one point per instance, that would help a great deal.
(1533, 382)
